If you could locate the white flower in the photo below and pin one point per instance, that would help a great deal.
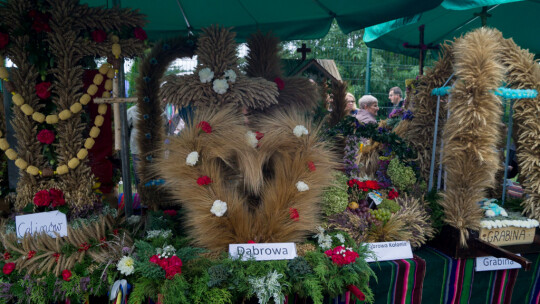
(192, 158)
(206, 75)
(152, 234)
(490, 213)
(503, 212)
(126, 265)
(301, 186)
(220, 86)
(230, 75)
(251, 138)
(300, 130)
(219, 208)
(341, 238)
(134, 219)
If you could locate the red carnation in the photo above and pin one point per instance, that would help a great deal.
(42, 90)
(293, 214)
(42, 198)
(311, 166)
(57, 197)
(154, 259)
(140, 34)
(66, 275)
(8, 268)
(393, 194)
(46, 136)
(204, 180)
(280, 83)
(373, 185)
(4, 40)
(205, 126)
(170, 212)
(259, 135)
(341, 256)
(99, 36)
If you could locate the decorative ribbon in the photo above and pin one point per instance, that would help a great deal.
(155, 182)
(356, 292)
(119, 291)
(502, 91)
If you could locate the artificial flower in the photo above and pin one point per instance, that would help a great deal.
(46, 136)
(301, 186)
(204, 180)
(230, 75)
(341, 255)
(311, 166)
(170, 212)
(42, 90)
(293, 214)
(66, 275)
(126, 265)
(140, 34)
(4, 40)
(206, 75)
(300, 130)
(192, 158)
(251, 138)
(57, 197)
(8, 268)
(279, 82)
(42, 198)
(220, 86)
(218, 208)
(205, 126)
(99, 36)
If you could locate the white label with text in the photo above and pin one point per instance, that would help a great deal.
(263, 251)
(48, 222)
(491, 263)
(388, 251)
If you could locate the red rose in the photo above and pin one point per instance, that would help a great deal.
(293, 214)
(42, 90)
(57, 197)
(311, 166)
(46, 136)
(170, 212)
(280, 83)
(259, 135)
(205, 126)
(42, 198)
(204, 180)
(4, 40)
(175, 261)
(99, 36)
(66, 275)
(393, 194)
(8, 268)
(140, 34)
(171, 271)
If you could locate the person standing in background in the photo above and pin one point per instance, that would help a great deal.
(396, 97)
(351, 104)
(132, 117)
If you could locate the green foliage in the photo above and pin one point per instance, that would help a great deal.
(435, 210)
(219, 274)
(142, 289)
(335, 198)
(513, 204)
(298, 268)
(144, 267)
(389, 205)
(402, 176)
(175, 291)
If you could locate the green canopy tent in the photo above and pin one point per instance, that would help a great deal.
(514, 18)
(288, 19)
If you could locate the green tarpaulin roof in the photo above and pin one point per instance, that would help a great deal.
(288, 19)
(519, 20)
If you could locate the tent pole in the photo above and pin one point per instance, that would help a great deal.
(508, 142)
(368, 71)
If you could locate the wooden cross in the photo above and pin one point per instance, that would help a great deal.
(483, 15)
(116, 101)
(422, 47)
(304, 50)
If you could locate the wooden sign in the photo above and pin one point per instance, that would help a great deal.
(508, 235)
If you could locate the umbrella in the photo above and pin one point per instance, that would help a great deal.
(288, 19)
(516, 19)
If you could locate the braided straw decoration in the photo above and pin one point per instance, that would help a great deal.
(48, 251)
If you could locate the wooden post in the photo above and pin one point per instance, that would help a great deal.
(421, 47)
(304, 50)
